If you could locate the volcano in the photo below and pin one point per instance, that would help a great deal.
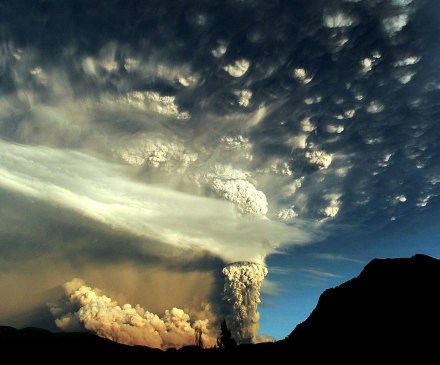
(390, 311)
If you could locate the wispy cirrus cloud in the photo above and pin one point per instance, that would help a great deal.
(336, 257)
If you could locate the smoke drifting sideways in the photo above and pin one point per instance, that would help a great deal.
(170, 218)
(110, 194)
(88, 308)
(84, 308)
(242, 291)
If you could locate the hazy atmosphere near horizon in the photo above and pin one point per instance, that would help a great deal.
(166, 165)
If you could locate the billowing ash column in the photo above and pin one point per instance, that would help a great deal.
(242, 291)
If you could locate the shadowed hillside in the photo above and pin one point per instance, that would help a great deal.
(391, 310)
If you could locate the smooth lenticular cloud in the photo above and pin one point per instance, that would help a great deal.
(107, 194)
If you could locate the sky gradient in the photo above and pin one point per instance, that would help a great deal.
(144, 146)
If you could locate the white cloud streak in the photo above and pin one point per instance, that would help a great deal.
(107, 194)
(336, 257)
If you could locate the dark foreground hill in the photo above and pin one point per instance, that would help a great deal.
(389, 312)
(391, 309)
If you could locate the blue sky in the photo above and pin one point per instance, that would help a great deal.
(145, 147)
(336, 260)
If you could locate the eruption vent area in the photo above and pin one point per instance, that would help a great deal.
(242, 291)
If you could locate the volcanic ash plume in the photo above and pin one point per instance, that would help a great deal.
(242, 290)
(126, 324)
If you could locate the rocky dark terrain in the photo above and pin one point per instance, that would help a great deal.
(389, 312)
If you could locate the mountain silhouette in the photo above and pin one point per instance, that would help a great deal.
(391, 309)
(389, 312)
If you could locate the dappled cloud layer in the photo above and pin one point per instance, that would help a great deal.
(273, 121)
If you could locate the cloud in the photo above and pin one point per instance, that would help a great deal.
(156, 151)
(335, 128)
(105, 259)
(244, 97)
(150, 101)
(262, 338)
(238, 68)
(271, 288)
(287, 214)
(319, 275)
(220, 50)
(395, 24)
(242, 287)
(106, 193)
(319, 158)
(411, 60)
(336, 257)
(300, 74)
(337, 20)
(219, 135)
(127, 324)
(233, 185)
